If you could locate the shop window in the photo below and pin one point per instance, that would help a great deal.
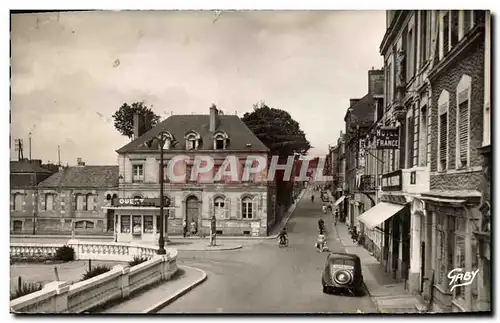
(137, 224)
(125, 224)
(17, 226)
(148, 224)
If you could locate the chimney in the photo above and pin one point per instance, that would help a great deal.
(353, 102)
(376, 82)
(80, 162)
(213, 118)
(136, 126)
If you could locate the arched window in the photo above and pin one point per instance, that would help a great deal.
(49, 202)
(219, 207)
(220, 141)
(18, 202)
(79, 202)
(89, 201)
(246, 208)
(192, 140)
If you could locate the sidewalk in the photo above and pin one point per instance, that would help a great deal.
(201, 244)
(159, 296)
(388, 295)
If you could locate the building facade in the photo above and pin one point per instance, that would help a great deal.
(432, 186)
(71, 200)
(240, 207)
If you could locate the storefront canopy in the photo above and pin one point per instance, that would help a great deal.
(337, 202)
(379, 213)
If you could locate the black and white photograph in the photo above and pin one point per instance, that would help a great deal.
(259, 161)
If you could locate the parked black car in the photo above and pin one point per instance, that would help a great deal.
(342, 272)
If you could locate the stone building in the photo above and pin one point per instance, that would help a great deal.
(25, 175)
(72, 200)
(241, 207)
(458, 81)
(430, 186)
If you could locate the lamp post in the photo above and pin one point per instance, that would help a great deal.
(162, 137)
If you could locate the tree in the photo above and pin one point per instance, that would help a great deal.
(124, 118)
(277, 130)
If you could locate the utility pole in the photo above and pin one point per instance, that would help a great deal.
(29, 147)
(19, 148)
(59, 155)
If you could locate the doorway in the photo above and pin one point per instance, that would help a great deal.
(192, 211)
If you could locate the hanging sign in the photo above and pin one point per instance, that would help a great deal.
(387, 138)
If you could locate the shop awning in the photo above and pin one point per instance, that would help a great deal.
(337, 202)
(379, 213)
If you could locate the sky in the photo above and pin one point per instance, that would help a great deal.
(71, 71)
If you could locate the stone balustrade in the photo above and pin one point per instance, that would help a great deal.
(119, 282)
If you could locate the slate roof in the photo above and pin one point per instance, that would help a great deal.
(27, 167)
(178, 126)
(83, 176)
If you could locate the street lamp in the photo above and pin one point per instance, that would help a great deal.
(162, 138)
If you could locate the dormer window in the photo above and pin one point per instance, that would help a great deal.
(192, 140)
(220, 141)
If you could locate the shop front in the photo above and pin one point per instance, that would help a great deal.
(138, 219)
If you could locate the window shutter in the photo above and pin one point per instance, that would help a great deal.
(463, 128)
(238, 208)
(227, 205)
(95, 201)
(443, 137)
(75, 202)
(210, 207)
(255, 207)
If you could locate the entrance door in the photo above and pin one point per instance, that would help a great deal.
(110, 216)
(192, 211)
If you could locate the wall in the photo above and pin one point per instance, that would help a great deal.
(61, 218)
(468, 179)
(120, 282)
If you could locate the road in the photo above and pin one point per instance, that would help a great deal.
(262, 278)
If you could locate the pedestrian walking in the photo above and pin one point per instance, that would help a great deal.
(184, 228)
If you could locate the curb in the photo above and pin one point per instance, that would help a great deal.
(177, 295)
(301, 195)
(212, 248)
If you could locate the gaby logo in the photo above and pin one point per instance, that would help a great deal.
(460, 277)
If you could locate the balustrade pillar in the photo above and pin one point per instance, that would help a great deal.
(61, 299)
(124, 279)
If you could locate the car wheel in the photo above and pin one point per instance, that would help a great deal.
(326, 289)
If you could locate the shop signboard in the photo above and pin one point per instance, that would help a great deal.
(387, 138)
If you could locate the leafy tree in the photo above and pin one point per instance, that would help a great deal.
(277, 130)
(124, 118)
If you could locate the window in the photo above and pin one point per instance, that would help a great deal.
(17, 226)
(80, 225)
(137, 224)
(443, 103)
(247, 208)
(219, 143)
(411, 61)
(79, 202)
(454, 28)
(89, 225)
(410, 139)
(148, 224)
(463, 124)
(192, 141)
(445, 33)
(423, 137)
(89, 202)
(18, 201)
(219, 207)
(137, 173)
(49, 202)
(424, 36)
(125, 224)
(467, 14)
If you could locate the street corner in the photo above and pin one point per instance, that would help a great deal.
(192, 277)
